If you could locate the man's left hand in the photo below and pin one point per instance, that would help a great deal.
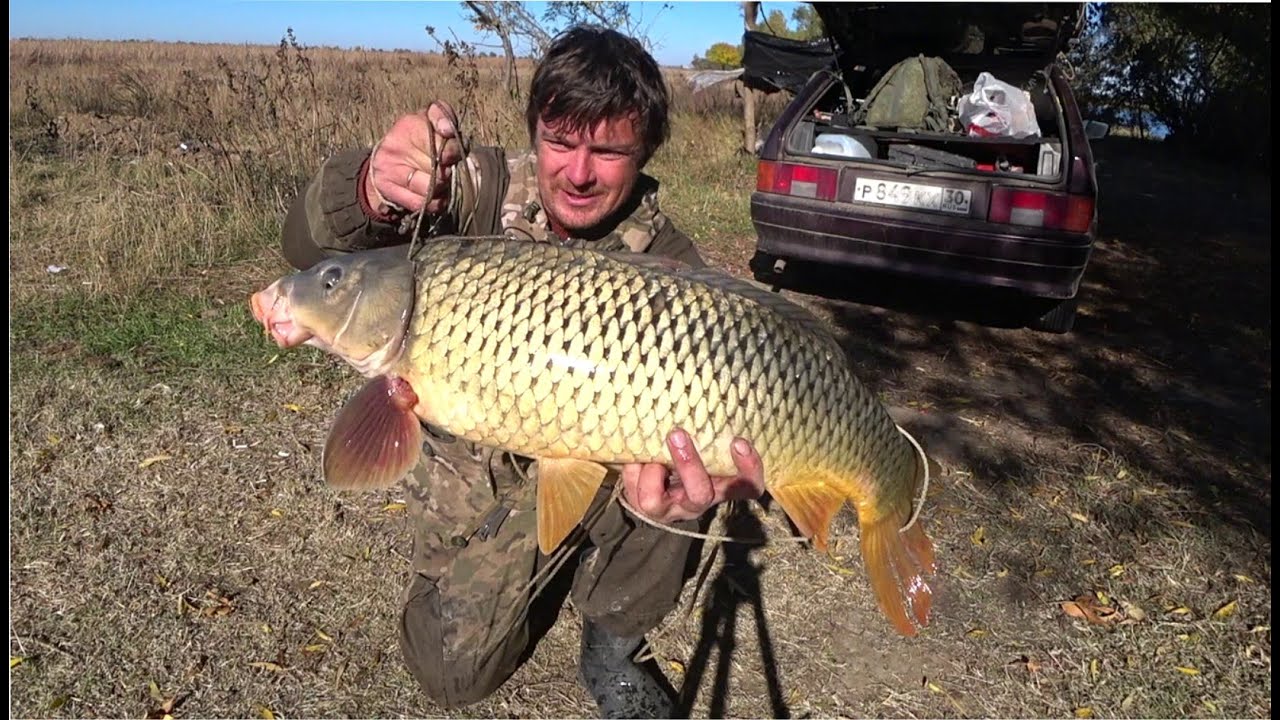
(692, 491)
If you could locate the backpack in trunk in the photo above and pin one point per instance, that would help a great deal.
(914, 94)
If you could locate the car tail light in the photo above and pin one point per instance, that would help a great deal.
(805, 181)
(1052, 211)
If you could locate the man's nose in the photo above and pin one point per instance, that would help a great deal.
(579, 170)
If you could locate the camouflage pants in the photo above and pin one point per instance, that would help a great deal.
(468, 608)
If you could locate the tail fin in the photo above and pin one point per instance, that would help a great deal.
(899, 561)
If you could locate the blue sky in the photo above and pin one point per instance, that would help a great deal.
(686, 29)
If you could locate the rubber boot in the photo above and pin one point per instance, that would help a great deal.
(620, 687)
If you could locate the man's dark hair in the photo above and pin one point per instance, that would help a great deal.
(591, 74)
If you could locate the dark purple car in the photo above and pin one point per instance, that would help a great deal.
(959, 201)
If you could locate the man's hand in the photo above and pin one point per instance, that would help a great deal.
(692, 492)
(400, 169)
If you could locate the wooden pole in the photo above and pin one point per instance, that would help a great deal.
(749, 12)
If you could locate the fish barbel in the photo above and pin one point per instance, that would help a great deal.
(582, 359)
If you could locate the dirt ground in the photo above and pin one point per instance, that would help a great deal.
(172, 550)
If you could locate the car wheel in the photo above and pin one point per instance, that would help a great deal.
(1060, 318)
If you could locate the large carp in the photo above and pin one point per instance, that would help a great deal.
(581, 359)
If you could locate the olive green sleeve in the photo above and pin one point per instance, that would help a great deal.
(329, 216)
(326, 218)
(671, 242)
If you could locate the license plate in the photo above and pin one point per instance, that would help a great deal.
(912, 195)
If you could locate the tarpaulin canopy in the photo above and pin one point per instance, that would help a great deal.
(773, 63)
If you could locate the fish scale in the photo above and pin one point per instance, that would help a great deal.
(787, 383)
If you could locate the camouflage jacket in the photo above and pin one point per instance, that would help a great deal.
(463, 490)
(495, 194)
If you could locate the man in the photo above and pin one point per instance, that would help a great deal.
(597, 112)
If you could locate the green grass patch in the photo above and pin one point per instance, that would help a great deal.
(157, 333)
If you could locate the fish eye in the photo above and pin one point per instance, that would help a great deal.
(331, 277)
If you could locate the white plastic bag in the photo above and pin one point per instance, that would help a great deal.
(997, 109)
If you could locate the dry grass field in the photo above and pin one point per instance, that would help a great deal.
(1103, 526)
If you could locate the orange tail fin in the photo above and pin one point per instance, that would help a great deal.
(898, 564)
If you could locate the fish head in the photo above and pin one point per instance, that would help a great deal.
(355, 306)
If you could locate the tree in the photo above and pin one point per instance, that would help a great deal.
(808, 26)
(512, 21)
(508, 20)
(616, 15)
(1202, 73)
(723, 56)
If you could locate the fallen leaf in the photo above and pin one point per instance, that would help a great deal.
(1002, 572)
(1122, 474)
(315, 648)
(153, 460)
(1116, 570)
(316, 584)
(266, 714)
(979, 536)
(1084, 712)
(976, 633)
(59, 701)
(266, 628)
(1243, 578)
(1132, 612)
(161, 580)
(1078, 517)
(1103, 597)
(155, 691)
(267, 666)
(1095, 668)
(321, 634)
(1182, 610)
(293, 407)
(277, 512)
(15, 661)
(1086, 608)
(1129, 700)
(934, 687)
(393, 507)
(676, 665)
(1187, 670)
(1225, 611)
(838, 570)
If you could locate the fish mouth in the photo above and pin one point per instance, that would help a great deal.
(271, 308)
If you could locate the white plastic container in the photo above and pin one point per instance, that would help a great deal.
(844, 146)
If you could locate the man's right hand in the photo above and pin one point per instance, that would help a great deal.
(400, 169)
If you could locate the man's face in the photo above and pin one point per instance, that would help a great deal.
(585, 176)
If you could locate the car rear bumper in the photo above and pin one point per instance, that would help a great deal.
(790, 227)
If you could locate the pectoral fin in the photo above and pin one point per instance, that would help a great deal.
(566, 488)
(376, 439)
(810, 505)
